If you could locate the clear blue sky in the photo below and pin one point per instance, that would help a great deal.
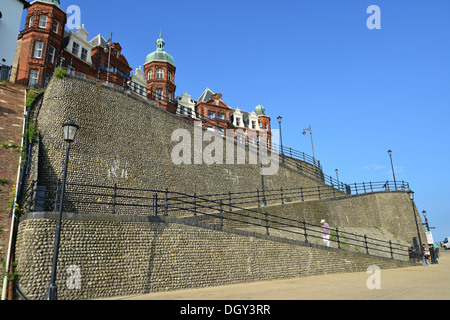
(315, 62)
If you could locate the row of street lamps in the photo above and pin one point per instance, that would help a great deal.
(410, 192)
(279, 118)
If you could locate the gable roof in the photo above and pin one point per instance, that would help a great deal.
(206, 95)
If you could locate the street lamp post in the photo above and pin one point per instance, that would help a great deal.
(281, 139)
(70, 131)
(312, 143)
(392, 166)
(426, 220)
(337, 177)
(411, 196)
(262, 176)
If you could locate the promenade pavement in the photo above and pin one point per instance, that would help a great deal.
(413, 283)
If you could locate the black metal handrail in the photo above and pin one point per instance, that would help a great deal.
(214, 209)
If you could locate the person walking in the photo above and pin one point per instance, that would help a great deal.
(325, 232)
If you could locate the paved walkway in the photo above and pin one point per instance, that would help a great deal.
(418, 283)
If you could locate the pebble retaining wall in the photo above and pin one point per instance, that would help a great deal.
(124, 255)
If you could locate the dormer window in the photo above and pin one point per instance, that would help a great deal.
(84, 54)
(75, 49)
(43, 22)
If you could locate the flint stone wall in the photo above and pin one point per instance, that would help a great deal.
(105, 256)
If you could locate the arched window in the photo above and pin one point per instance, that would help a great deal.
(150, 75)
(160, 74)
(169, 76)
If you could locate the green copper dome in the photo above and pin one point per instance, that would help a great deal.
(260, 110)
(160, 54)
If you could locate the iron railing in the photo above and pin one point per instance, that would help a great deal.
(227, 210)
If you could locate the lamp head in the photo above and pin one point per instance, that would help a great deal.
(70, 131)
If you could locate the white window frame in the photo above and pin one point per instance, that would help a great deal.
(43, 19)
(34, 77)
(160, 74)
(55, 26)
(159, 94)
(150, 75)
(169, 76)
(84, 53)
(51, 54)
(30, 22)
(38, 47)
(75, 47)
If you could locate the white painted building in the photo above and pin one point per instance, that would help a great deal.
(10, 19)
(186, 106)
(137, 82)
(78, 44)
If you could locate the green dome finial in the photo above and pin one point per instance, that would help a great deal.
(160, 54)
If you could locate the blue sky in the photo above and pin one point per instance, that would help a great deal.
(314, 62)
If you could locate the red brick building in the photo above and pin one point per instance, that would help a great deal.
(216, 114)
(44, 44)
(39, 43)
(159, 72)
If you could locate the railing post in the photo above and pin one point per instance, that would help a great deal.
(221, 214)
(301, 193)
(304, 231)
(365, 242)
(267, 222)
(257, 194)
(282, 198)
(318, 189)
(392, 252)
(195, 203)
(337, 238)
(155, 204)
(114, 198)
(371, 188)
(364, 187)
(166, 203)
(356, 188)
(231, 205)
(58, 184)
